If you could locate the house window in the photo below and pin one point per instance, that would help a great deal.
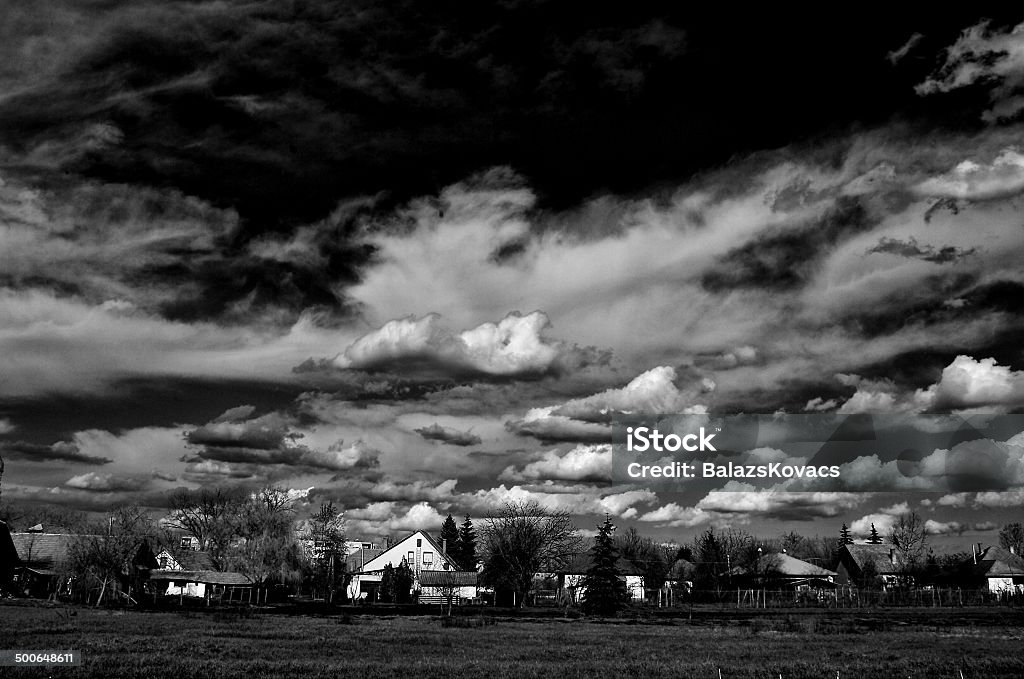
(428, 557)
(186, 543)
(165, 562)
(412, 557)
(419, 542)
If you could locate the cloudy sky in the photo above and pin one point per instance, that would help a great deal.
(414, 259)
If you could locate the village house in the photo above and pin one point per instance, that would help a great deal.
(418, 550)
(858, 563)
(41, 557)
(570, 578)
(176, 568)
(191, 573)
(781, 570)
(206, 584)
(1002, 570)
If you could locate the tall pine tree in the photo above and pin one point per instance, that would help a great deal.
(844, 536)
(874, 538)
(450, 538)
(467, 546)
(605, 592)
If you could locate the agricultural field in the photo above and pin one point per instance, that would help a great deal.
(237, 644)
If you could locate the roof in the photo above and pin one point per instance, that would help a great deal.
(787, 566)
(448, 578)
(42, 550)
(206, 577)
(878, 555)
(430, 541)
(996, 562)
(191, 560)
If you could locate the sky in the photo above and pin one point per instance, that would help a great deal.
(413, 259)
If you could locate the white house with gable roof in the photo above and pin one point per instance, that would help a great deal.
(420, 551)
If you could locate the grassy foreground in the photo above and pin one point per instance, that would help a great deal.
(196, 645)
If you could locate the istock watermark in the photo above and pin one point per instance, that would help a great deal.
(820, 452)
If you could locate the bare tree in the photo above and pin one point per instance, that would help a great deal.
(522, 539)
(1011, 537)
(910, 540)
(210, 515)
(104, 559)
(324, 546)
(652, 559)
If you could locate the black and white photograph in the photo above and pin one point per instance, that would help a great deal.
(510, 338)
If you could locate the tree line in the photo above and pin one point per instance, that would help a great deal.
(259, 534)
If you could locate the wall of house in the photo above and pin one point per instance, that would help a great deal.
(1002, 585)
(573, 584)
(186, 589)
(468, 592)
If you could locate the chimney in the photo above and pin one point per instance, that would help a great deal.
(974, 553)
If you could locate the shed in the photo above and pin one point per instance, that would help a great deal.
(460, 585)
(204, 584)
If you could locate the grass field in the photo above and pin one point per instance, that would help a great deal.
(187, 645)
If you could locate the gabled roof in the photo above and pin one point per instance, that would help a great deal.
(448, 578)
(42, 550)
(681, 570)
(996, 562)
(190, 560)
(378, 561)
(878, 555)
(791, 567)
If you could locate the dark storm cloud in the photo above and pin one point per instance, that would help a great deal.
(911, 248)
(268, 432)
(351, 492)
(281, 109)
(61, 451)
(784, 261)
(269, 440)
(107, 483)
(455, 437)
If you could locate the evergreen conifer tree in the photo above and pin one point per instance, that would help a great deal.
(844, 536)
(450, 538)
(605, 592)
(467, 546)
(874, 538)
(387, 584)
